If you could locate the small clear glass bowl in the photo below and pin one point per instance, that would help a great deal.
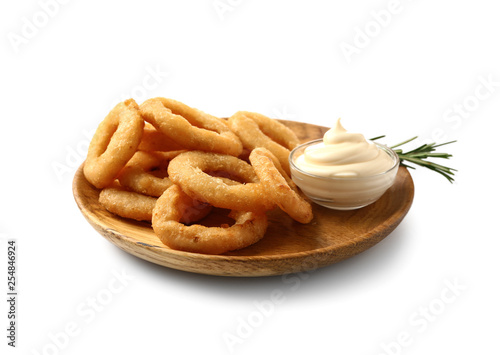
(343, 193)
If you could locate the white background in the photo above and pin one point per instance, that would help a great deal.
(65, 65)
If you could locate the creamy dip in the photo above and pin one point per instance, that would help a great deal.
(344, 154)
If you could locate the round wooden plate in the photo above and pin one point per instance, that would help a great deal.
(287, 247)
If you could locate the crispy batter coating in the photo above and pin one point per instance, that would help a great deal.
(113, 144)
(280, 187)
(155, 141)
(249, 227)
(189, 171)
(141, 172)
(256, 130)
(189, 127)
(127, 204)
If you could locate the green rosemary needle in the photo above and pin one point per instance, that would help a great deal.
(418, 155)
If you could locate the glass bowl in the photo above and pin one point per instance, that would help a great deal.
(342, 193)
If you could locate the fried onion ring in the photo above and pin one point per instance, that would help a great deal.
(139, 174)
(256, 130)
(113, 144)
(189, 170)
(189, 127)
(137, 206)
(279, 186)
(127, 204)
(249, 227)
(155, 141)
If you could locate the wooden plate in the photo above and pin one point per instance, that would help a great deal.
(288, 246)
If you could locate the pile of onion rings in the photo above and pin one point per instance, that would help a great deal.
(173, 165)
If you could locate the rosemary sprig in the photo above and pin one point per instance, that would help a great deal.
(418, 155)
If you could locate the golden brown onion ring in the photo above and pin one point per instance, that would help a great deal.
(281, 189)
(155, 141)
(249, 227)
(127, 204)
(256, 130)
(113, 144)
(189, 170)
(189, 127)
(139, 174)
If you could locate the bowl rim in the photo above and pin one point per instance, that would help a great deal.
(384, 147)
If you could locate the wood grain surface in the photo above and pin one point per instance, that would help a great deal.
(287, 247)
